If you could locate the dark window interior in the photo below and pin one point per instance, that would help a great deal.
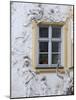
(43, 46)
(56, 31)
(56, 47)
(43, 32)
(55, 58)
(43, 58)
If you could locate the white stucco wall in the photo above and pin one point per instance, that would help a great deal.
(21, 45)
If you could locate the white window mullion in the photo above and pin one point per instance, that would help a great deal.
(49, 47)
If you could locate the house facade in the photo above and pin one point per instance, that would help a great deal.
(41, 49)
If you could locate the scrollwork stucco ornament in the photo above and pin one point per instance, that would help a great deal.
(67, 81)
(35, 14)
(38, 13)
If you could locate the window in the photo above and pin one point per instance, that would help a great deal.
(51, 42)
(49, 45)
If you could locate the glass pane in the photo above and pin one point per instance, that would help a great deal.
(56, 31)
(55, 58)
(43, 46)
(43, 32)
(43, 59)
(56, 46)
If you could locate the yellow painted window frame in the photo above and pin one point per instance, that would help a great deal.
(66, 44)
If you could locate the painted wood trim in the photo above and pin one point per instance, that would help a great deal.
(34, 41)
(51, 70)
(65, 44)
(42, 22)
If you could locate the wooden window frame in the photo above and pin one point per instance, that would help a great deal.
(50, 39)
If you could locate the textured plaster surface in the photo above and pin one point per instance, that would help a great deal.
(25, 82)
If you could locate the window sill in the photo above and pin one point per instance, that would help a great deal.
(49, 69)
